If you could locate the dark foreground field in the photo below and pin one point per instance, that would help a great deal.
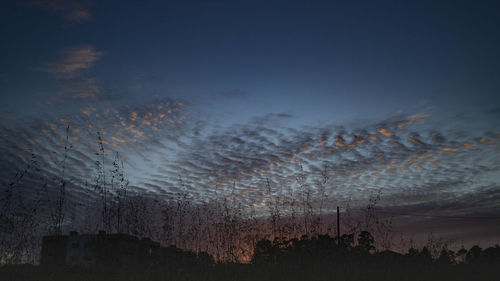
(307, 271)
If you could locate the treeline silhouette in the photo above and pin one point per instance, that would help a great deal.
(321, 257)
(345, 249)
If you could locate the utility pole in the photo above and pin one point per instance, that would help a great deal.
(338, 225)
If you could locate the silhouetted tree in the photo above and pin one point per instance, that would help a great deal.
(446, 257)
(425, 256)
(474, 254)
(264, 252)
(365, 241)
(346, 241)
(492, 254)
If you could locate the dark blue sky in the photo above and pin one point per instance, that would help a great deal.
(389, 95)
(360, 58)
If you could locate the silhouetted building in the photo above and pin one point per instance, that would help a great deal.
(54, 250)
(98, 249)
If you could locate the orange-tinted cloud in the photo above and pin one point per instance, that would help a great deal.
(415, 141)
(72, 61)
(385, 132)
(74, 11)
(339, 141)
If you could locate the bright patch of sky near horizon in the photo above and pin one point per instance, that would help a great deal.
(403, 97)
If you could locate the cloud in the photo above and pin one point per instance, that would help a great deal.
(70, 68)
(265, 121)
(45, 139)
(74, 11)
(411, 161)
(160, 147)
(73, 61)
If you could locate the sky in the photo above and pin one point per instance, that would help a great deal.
(396, 97)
